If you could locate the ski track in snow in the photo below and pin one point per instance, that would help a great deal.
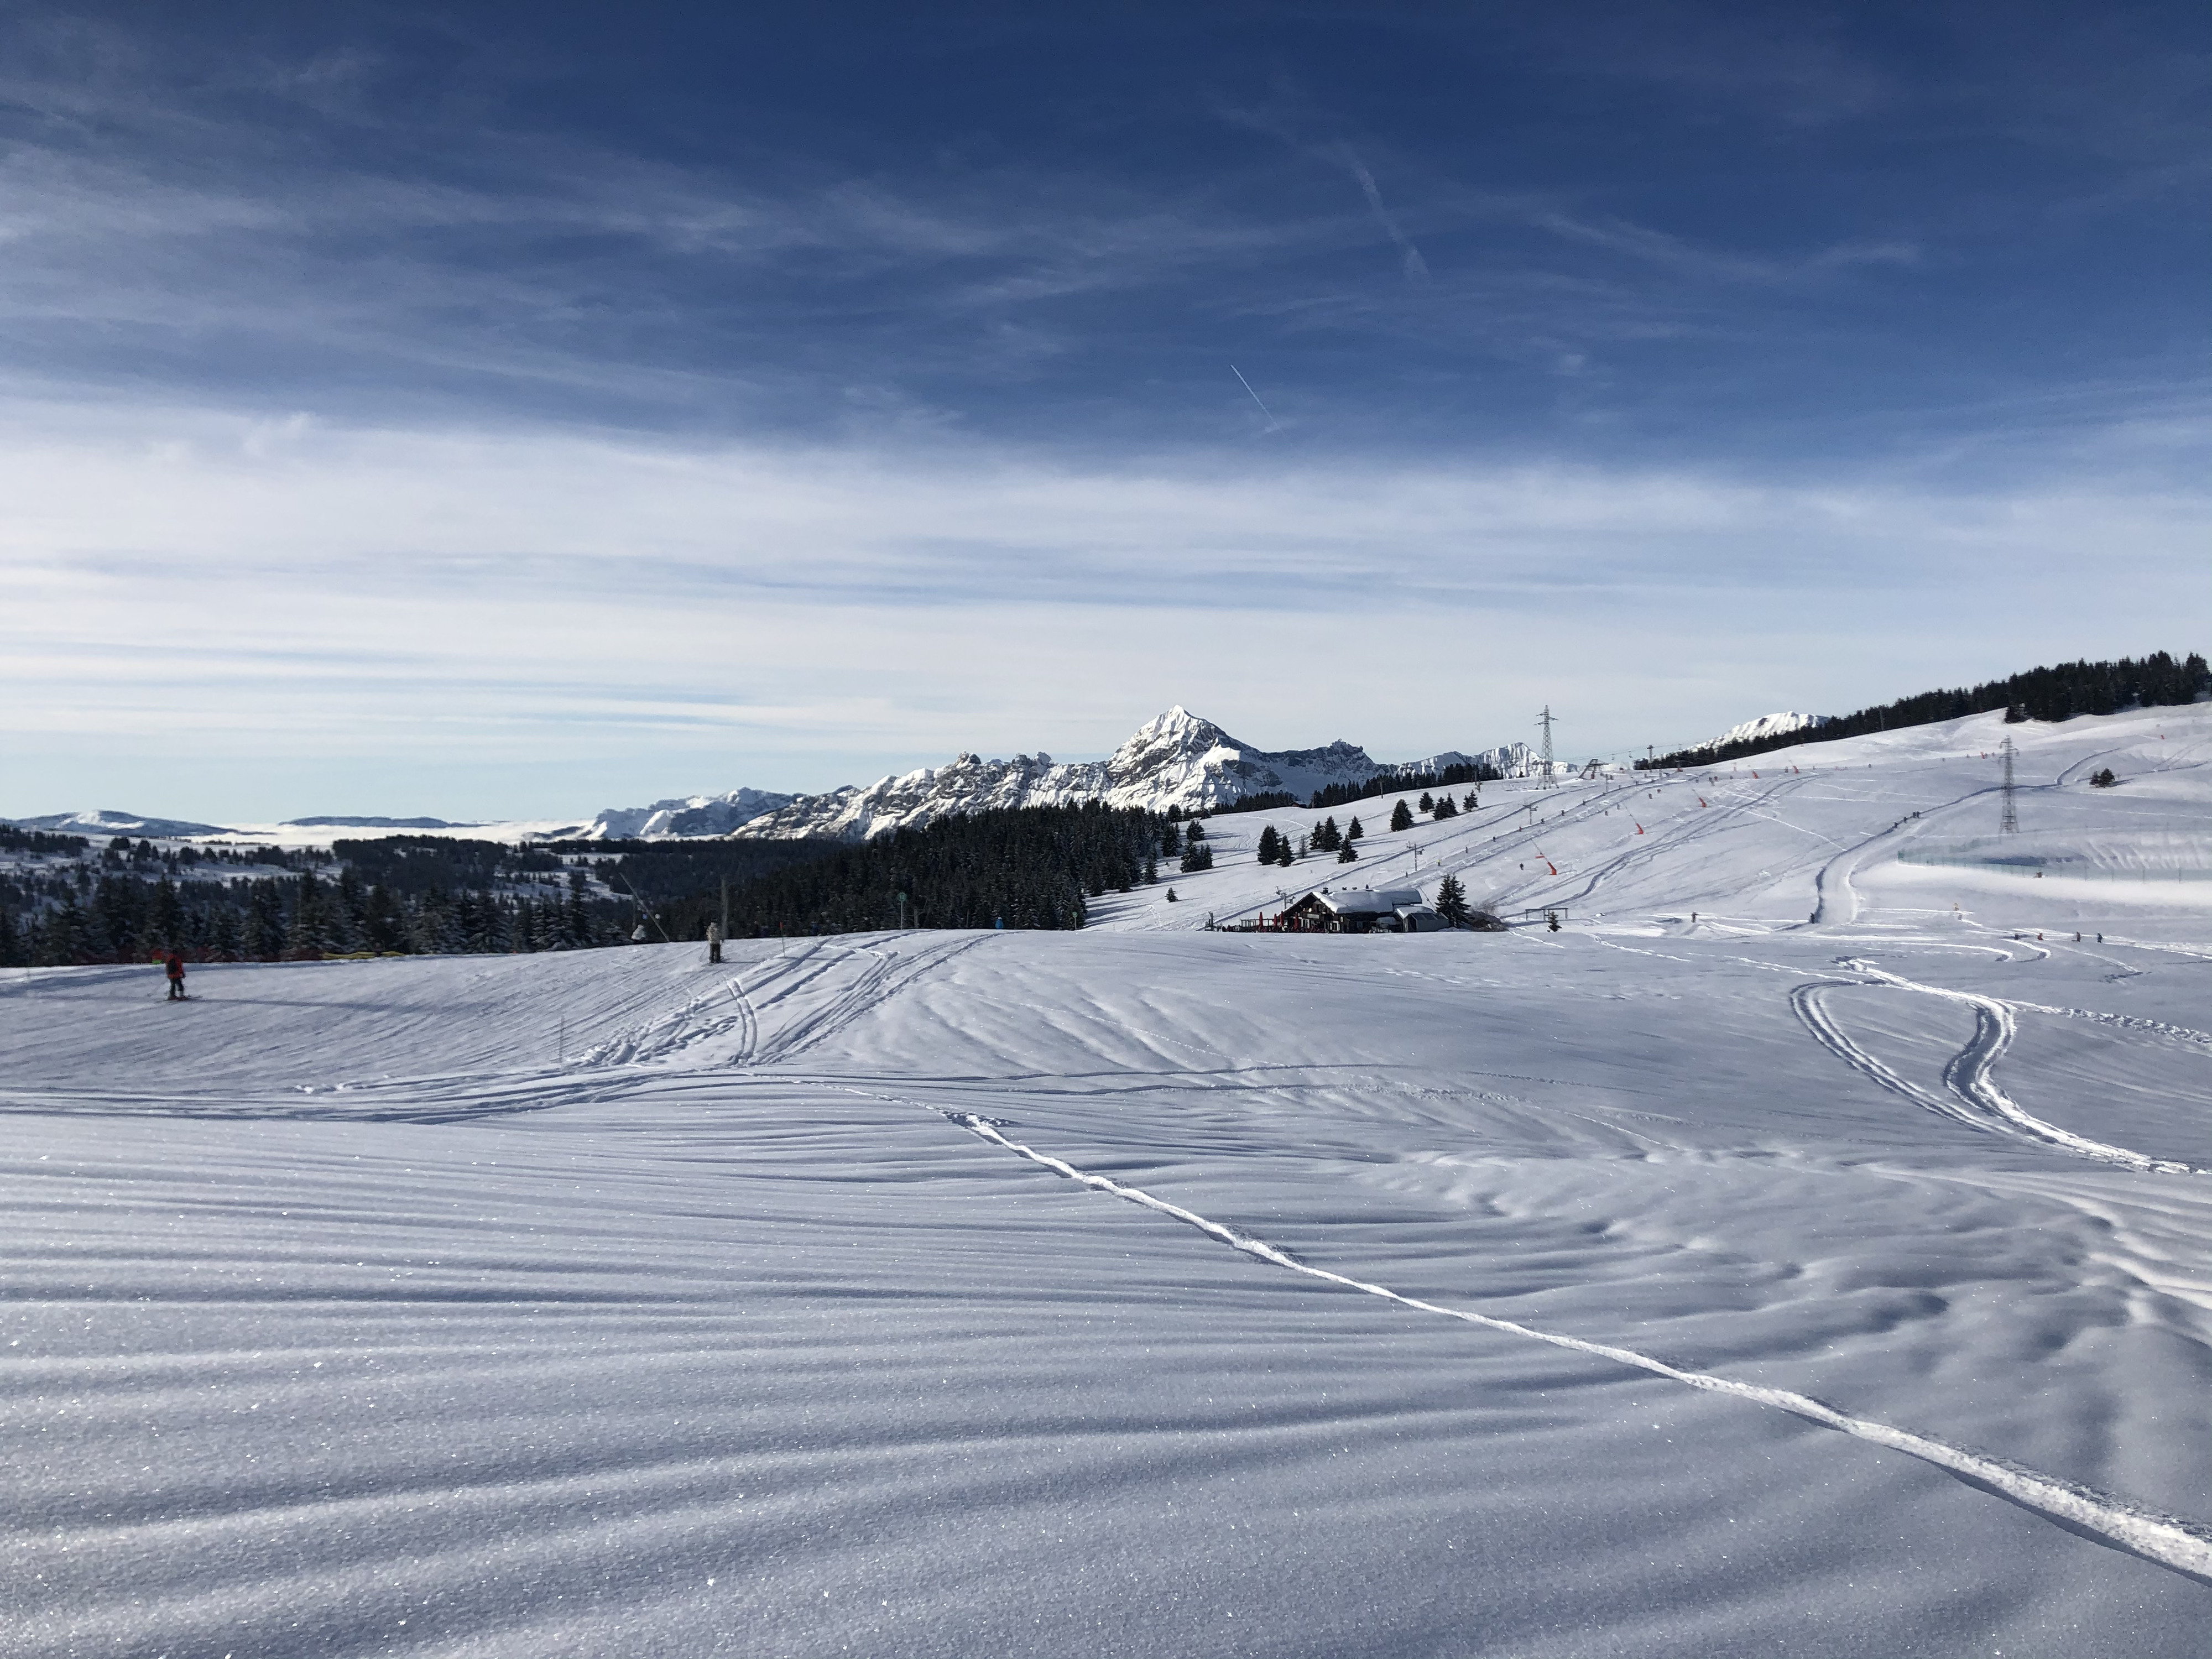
(2185, 1547)
(1977, 1101)
(1808, 1001)
(1969, 1076)
(2127, 1022)
(684, 1044)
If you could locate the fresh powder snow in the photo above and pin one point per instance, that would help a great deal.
(1806, 1248)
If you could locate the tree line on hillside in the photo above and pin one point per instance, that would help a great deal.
(1392, 783)
(1027, 868)
(2040, 694)
(1260, 800)
(61, 904)
(663, 872)
(136, 908)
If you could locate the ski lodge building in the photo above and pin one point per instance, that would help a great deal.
(1361, 910)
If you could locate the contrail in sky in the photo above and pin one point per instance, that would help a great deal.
(1272, 424)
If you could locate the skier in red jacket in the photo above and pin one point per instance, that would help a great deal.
(176, 967)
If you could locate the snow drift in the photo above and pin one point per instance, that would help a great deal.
(1698, 1280)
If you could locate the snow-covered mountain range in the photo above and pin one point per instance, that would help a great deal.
(686, 815)
(1177, 759)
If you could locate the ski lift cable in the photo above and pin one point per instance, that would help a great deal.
(644, 909)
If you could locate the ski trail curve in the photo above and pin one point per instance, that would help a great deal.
(2185, 1547)
(1808, 1003)
(1968, 1075)
(1832, 881)
(885, 976)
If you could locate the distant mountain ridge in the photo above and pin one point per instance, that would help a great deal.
(685, 816)
(377, 824)
(1177, 759)
(108, 821)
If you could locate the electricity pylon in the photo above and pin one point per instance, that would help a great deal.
(2009, 824)
(1544, 721)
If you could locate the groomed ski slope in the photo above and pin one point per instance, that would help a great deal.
(1751, 1285)
(1773, 838)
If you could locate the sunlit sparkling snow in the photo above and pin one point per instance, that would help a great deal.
(1149, 1291)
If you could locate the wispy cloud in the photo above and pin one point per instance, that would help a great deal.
(1409, 256)
(1688, 257)
(407, 371)
(548, 594)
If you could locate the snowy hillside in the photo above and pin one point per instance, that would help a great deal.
(1697, 1279)
(1905, 818)
(1766, 726)
(1174, 760)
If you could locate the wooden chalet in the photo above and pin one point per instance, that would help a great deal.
(1360, 910)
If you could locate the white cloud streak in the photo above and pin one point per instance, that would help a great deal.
(1409, 257)
(259, 591)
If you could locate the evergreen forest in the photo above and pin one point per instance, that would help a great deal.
(63, 903)
(1392, 783)
(1029, 868)
(2040, 694)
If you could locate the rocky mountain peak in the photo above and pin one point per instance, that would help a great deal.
(1175, 759)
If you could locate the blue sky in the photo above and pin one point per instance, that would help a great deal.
(535, 408)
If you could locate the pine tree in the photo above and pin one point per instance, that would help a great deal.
(1270, 844)
(353, 910)
(1444, 808)
(1354, 832)
(1427, 802)
(387, 924)
(1401, 815)
(1346, 854)
(168, 917)
(1197, 856)
(1327, 839)
(264, 921)
(1452, 902)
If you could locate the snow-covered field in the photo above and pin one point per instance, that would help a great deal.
(1834, 827)
(1753, 1284)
